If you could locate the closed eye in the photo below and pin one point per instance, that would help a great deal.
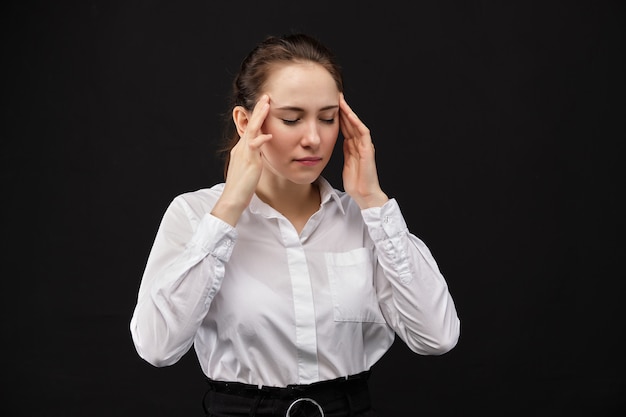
(291, 122)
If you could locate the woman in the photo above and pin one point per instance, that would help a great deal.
(289, 289)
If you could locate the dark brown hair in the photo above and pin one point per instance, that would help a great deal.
(255, 69)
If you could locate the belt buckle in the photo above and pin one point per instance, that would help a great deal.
(304, 399)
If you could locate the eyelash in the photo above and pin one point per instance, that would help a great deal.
(293, 122)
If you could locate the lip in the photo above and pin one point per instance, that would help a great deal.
(309, 160)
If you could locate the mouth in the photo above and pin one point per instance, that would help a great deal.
(309, 160)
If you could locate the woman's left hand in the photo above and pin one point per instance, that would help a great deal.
(360, 178)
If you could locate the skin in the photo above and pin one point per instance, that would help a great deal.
(287, 140)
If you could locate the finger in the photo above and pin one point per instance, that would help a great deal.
(346, 127)
(259, 113)
(349, 148)
(259, 140)
(351, 123)
(345, 122)
(346, 109)
(352, 118)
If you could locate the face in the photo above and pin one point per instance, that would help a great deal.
(303, 120)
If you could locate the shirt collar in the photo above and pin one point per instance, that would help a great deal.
(327, 192)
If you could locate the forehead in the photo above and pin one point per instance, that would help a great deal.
(302, 84)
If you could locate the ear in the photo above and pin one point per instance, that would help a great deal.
(240, 117)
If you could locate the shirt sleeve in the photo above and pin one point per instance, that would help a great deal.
(183, 272)
(412, 292)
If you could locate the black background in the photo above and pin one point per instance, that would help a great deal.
(499, 127)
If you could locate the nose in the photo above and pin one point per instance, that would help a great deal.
(311, 136)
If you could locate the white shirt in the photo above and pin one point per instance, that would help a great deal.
(263, 305)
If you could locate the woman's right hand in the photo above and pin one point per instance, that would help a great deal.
(245, 165)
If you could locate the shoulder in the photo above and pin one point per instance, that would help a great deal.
(197, 202)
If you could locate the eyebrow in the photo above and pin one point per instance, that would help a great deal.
(299, 109)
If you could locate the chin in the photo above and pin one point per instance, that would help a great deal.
(301, 181)
(304, 179)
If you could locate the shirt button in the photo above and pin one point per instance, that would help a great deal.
(386, 219)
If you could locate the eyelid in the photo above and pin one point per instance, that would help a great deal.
(330, 119)
(294, 121)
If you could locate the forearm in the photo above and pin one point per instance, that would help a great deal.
(183, 273)
(413, 293)
(228, 209)
(419, 304)
(167, 316)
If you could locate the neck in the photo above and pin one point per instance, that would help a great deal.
(294, 201)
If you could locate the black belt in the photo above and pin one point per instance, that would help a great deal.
(339, 397)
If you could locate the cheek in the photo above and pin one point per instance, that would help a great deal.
(280, 142)
(330, 135)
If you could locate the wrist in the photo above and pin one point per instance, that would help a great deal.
(228, 211)
(374, 200)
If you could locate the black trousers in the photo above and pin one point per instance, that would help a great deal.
(341, 397)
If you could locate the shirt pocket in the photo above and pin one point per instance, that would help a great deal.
(351, 280)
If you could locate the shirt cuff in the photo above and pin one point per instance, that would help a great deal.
(214, 236)
(385, 221)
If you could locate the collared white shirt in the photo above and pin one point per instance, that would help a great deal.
(264, 305)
